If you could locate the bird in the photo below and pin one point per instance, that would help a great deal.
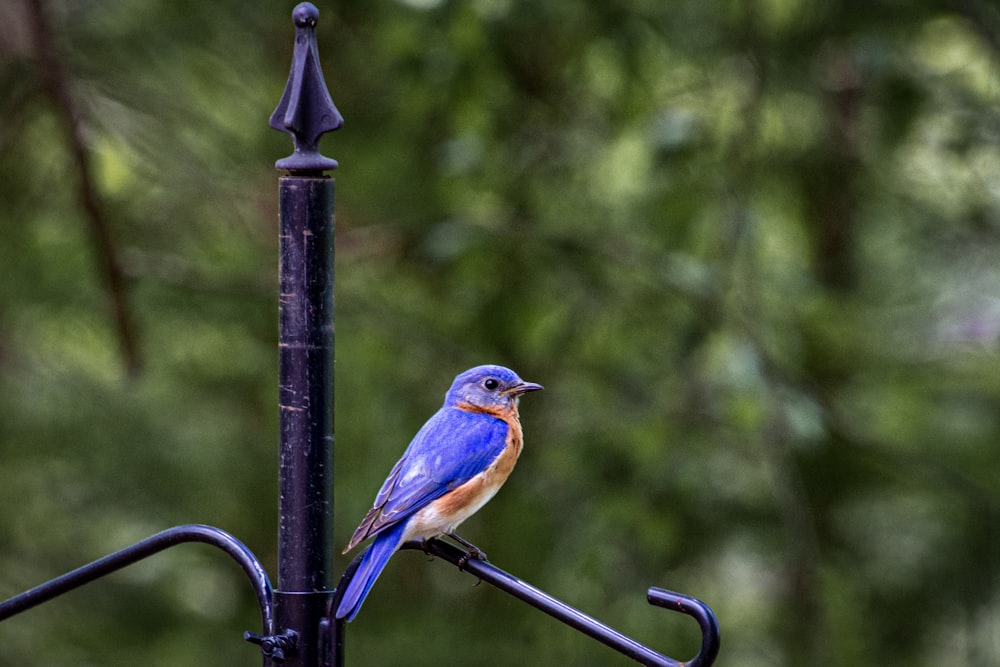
(453, 466)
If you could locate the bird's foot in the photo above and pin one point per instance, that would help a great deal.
(473, 552)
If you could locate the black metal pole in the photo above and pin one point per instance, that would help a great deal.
(305, 532)
(306, 344)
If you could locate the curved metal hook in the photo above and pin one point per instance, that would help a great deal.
(699, 611)
(152, 545)
(486, 571)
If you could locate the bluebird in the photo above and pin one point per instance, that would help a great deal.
(455, 463)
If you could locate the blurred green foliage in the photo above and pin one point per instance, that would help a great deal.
(750, 248)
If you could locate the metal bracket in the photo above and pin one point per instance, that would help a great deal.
(491, 574)
(171, 537)
(274, 647)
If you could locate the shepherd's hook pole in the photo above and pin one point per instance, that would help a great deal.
(305, 391)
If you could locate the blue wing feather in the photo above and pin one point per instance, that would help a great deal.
(451, 448)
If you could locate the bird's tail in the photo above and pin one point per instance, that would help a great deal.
(372, 563)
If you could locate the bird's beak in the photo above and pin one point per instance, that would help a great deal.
(523, 388)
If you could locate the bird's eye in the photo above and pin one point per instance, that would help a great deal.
(491, 383)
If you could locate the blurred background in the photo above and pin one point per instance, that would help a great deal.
(750, 248)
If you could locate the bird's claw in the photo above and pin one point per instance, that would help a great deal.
(473, 552)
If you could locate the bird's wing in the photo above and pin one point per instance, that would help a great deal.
(451, 448)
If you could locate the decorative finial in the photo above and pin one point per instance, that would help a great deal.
(306, 109)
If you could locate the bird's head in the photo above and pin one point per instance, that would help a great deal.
(488, 387)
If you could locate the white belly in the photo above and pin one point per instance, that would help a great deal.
(436, 519)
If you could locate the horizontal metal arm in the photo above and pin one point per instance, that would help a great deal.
(582, 622)
(572, 617)
(144, 549)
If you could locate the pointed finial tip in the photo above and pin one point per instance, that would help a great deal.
(305, 15)
(306, 110)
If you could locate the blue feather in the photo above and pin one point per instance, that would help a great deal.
(372, 564)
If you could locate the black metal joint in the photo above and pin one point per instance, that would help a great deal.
(274, 647)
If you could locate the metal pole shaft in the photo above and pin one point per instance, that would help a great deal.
(306, 343)
(305, 391)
